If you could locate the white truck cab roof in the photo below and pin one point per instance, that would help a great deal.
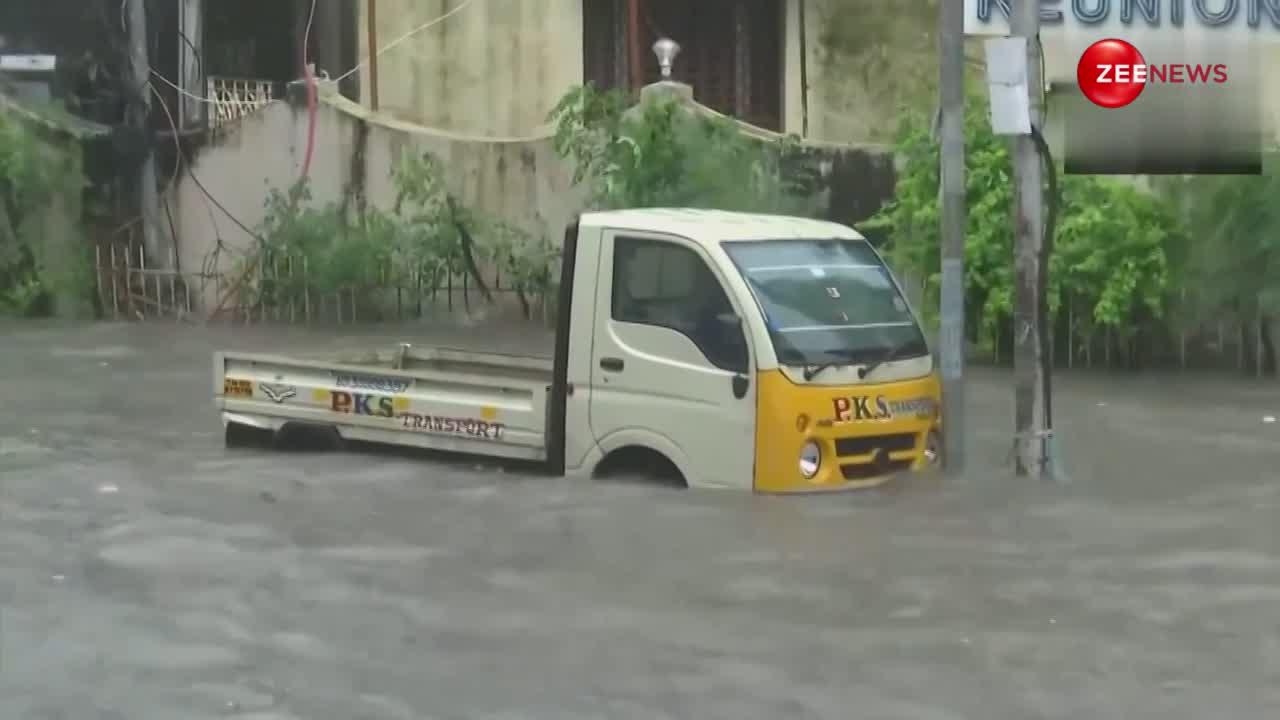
(711, 227)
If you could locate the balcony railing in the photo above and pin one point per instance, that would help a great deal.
(234, 98)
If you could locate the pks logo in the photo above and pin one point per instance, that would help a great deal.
(1112, 73)
(862, 408)
(364, 404)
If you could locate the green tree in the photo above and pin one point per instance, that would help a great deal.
(34, 175)
(1232, 262)
(1110, 252)
(426, 237)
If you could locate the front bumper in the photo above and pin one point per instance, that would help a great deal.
(876, 460)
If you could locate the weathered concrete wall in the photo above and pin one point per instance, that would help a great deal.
(495, 68)
(521, 181)
(853, 181)
(851, 100)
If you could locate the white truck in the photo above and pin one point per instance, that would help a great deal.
(758, 352)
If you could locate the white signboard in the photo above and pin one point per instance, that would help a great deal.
(1259, 19)
(1007, 79)
(28, 63)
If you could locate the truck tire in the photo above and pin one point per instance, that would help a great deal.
(239, 435)
(639, 465)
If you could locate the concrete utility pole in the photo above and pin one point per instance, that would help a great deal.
(951, 130)
(148, 193)
(191, 54)
(1027, 240)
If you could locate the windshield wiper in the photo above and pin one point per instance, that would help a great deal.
(889, 356)
(841, 357)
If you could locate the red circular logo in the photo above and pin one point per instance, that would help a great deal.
(1106, 73)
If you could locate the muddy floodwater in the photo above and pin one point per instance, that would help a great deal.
(148, 573)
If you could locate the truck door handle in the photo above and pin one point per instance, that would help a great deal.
(611, 364)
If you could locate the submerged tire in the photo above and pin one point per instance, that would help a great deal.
(308, 437)
(238, 435)
(639, 465)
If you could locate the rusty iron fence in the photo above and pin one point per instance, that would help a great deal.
(280, 290)
(266, 289)
(129, 289)
(1225, 341)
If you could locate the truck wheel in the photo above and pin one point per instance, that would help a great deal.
(640, 465)
(309, 437)
(238, 435)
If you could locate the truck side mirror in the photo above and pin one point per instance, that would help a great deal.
(735, 341)
(729, 321)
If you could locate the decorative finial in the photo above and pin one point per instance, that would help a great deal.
(666, 49)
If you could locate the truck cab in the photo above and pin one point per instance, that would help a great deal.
(754, 352)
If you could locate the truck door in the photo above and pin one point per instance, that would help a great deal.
(671, 370)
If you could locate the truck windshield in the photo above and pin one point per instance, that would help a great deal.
(827, 301)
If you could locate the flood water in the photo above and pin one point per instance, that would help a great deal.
(147, 572)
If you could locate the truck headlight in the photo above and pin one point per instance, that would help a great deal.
(810, 459)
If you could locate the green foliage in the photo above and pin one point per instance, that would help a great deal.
(34, 174)
(1111, 250)
(1111, 240)
(528, 261)
(337, 253)
(425, 238)
(1232, 257)
(664, 154)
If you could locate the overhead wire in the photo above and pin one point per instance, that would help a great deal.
(209, 263)
(208, 198)
(421, 28)
(195, 54)
(177, 143)
(312, 110)
(360, 66)
(311, 86)
(191, 172)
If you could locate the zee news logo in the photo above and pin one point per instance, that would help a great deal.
(1113, 73)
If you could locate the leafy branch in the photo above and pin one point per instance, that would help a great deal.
(665, 154)
(1110, 255)
(33, 174)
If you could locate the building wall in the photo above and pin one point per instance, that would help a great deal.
(523, 182)
(497, 67)
(493, 69)
(849, 100)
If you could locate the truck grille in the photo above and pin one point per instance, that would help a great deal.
(901, 442)
(870, 470)
(879, 448)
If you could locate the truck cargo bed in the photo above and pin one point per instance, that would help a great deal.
(438, 398)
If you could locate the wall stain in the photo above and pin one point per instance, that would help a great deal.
(357, 183)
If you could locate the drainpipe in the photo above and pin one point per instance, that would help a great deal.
(373, 54)
(635, 56)
(804, 71)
